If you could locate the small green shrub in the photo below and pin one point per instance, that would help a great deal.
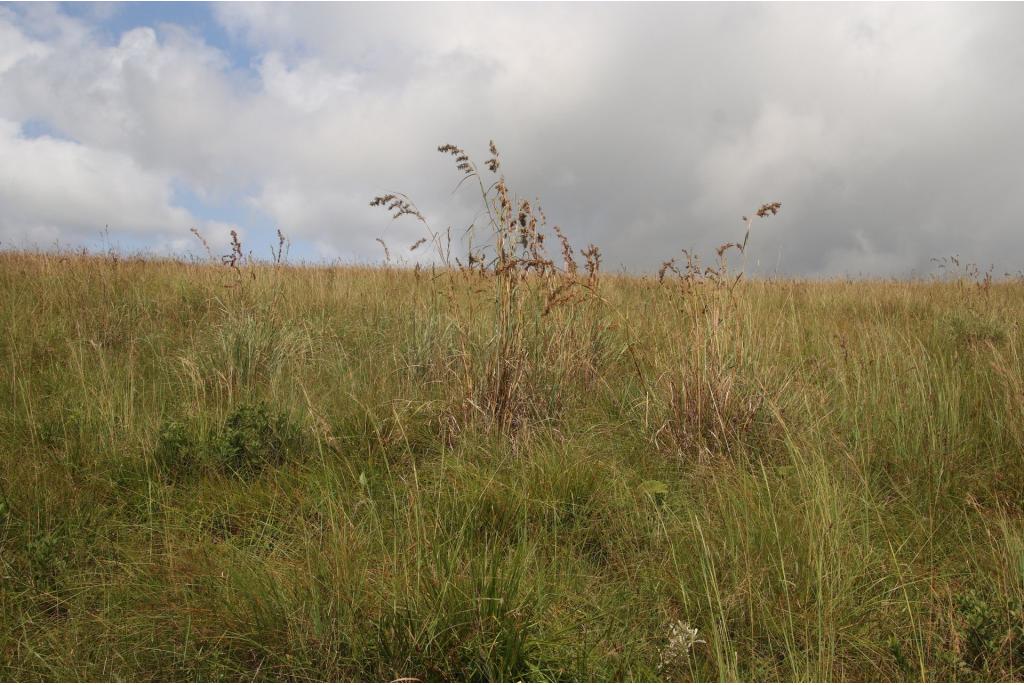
(177, 455)
(990, 635)
(253, 438)
(47, 559)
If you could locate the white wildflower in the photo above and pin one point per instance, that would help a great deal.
(681, 639)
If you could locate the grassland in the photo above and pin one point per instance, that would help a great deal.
(364, 473)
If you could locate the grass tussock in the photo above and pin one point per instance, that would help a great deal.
(506, 465)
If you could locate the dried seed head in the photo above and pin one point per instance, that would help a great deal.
(494, 162)
(667, 266)
(593, 255)
(398, 204)
(770, 208)
(567, 258)
(725, 246)
(502, 190)
(462, 162)
(524, 212)
(235, 257)
(449, 149)
(206, 245)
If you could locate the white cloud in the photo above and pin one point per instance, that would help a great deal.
(883, 129)
(15, 46)
(56, 189)
(306, 87)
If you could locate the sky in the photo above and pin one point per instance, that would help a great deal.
(893, 134)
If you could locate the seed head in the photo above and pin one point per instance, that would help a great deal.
(494, 162)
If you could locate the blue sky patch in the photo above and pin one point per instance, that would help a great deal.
(113, 19)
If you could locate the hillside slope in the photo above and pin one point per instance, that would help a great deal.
(372, 473)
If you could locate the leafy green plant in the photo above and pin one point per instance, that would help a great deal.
(990, 634)
(177, 455)
(47, 559)
(254, 438)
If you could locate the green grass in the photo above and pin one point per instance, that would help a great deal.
(298, 477)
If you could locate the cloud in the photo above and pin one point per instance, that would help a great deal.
(58, 190)
(15, 46)
(889, 132)
(307, 86)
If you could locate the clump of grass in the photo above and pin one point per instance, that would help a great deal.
(498, 375)
(712, 401)
(969, 329)
(715, 411)
(466, 620)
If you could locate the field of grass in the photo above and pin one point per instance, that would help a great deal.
(499, 467)
(289, 472)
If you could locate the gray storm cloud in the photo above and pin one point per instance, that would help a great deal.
(891, 133)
